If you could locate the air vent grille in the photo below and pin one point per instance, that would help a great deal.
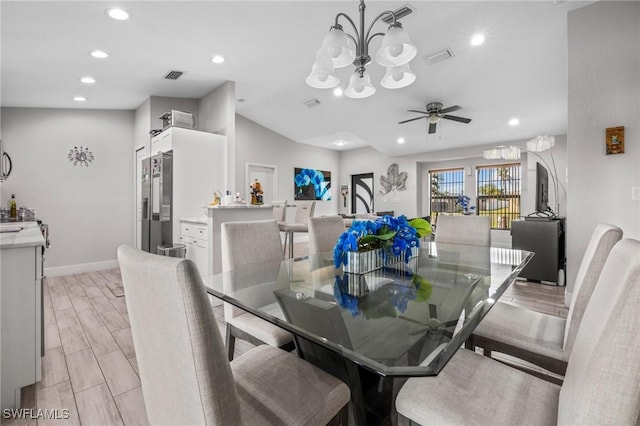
(443, 55)
(312, 103)
(405, 10)
(173, 75)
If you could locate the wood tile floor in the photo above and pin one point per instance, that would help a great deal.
(90, 369)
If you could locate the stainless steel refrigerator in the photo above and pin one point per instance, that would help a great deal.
(157, 195)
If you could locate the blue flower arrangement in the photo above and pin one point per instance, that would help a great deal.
(384, 302)
(463, 201)
(396, 235)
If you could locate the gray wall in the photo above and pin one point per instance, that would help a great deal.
(88, 209)
(259, 145)
(604, 91)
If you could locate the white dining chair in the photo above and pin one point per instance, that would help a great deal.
(324, 232)
(601, 382)
(186, 378)
(470, 230)
(300, 224)
(279, 211)
(246, 244)
(542, 339)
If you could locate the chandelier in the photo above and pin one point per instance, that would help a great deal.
(339, 49)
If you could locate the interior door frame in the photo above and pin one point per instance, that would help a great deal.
(248, 167)
(139, 152)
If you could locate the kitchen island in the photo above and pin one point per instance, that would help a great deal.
(21, 308)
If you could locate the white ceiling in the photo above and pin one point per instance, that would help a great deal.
(520, 71)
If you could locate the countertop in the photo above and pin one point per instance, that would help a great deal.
(29, 236)
(243, 206)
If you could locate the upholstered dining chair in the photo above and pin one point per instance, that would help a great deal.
(601, 382)
(250, 244)
(542, 339)
(324, 232)
(471, 230)
(185, 375)
(279, 210)
(300, 224)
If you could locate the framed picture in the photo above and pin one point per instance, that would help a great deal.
(311, 184)
(615, 140)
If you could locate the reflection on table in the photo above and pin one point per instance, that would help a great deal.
(406, 319)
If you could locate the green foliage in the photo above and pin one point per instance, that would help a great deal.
(422, 227)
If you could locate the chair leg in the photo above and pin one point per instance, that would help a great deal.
(284, 250)
(291, 246)
(230, 343)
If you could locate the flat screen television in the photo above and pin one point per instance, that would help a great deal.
(542, 189)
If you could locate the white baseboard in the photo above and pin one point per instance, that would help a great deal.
(82, 268)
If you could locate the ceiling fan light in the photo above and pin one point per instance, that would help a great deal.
(396, 48)
(322, 77)
(359, 86)
(338, 48)
(398, 77)
(433, 118)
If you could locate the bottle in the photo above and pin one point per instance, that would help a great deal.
(13, 207)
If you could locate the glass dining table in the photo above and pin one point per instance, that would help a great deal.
(376, 329)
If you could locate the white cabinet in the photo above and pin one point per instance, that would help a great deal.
(194, 235)
(161, 143)
(21, 331)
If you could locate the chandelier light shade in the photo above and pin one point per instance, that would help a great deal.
(398, 77)
(541, 143)
(339, 49)
(360, 86)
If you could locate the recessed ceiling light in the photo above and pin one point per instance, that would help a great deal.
(477, 40)
(79, 98)
(218, 59)
(339, 143)
(118, 14)
(100, 54)
(514, 122)
(88, 80)
(337, 92)
(400, 140)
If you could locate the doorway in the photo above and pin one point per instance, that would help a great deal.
(267, 176)
(362, 193)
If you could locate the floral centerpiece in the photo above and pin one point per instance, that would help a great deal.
(391, 237)
(463, 201)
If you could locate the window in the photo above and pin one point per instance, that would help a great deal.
(445, 187)
(499, 194)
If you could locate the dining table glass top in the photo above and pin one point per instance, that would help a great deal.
(405, 319)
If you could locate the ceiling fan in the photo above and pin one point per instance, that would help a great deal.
(434, 113)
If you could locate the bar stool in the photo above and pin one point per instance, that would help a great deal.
(300, 224)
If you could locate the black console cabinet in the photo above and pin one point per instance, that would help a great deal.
(546, 239)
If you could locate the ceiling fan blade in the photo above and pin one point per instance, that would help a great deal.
(419, 112)
(450, 109)
(432, 128)
(456, 118)
(411, 119)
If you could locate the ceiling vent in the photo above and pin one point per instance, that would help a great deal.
(173, 75)
(439, 56)
(405, 10)
(312, 103)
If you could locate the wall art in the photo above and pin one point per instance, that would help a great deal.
(80, 156)
(311, 184)
(395, 179)
(614, 140)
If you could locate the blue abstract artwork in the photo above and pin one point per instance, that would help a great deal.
(312, 184)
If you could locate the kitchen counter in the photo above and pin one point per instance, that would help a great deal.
(29, 236)
(243, 206)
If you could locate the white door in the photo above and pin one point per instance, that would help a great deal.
(139, 156)
(266, 175)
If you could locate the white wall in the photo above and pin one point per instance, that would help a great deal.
(259, 145)
(88, 209)
(370, 160)
(604, 91)
(218, 115)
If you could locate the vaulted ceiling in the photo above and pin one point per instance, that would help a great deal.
(519, 71)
